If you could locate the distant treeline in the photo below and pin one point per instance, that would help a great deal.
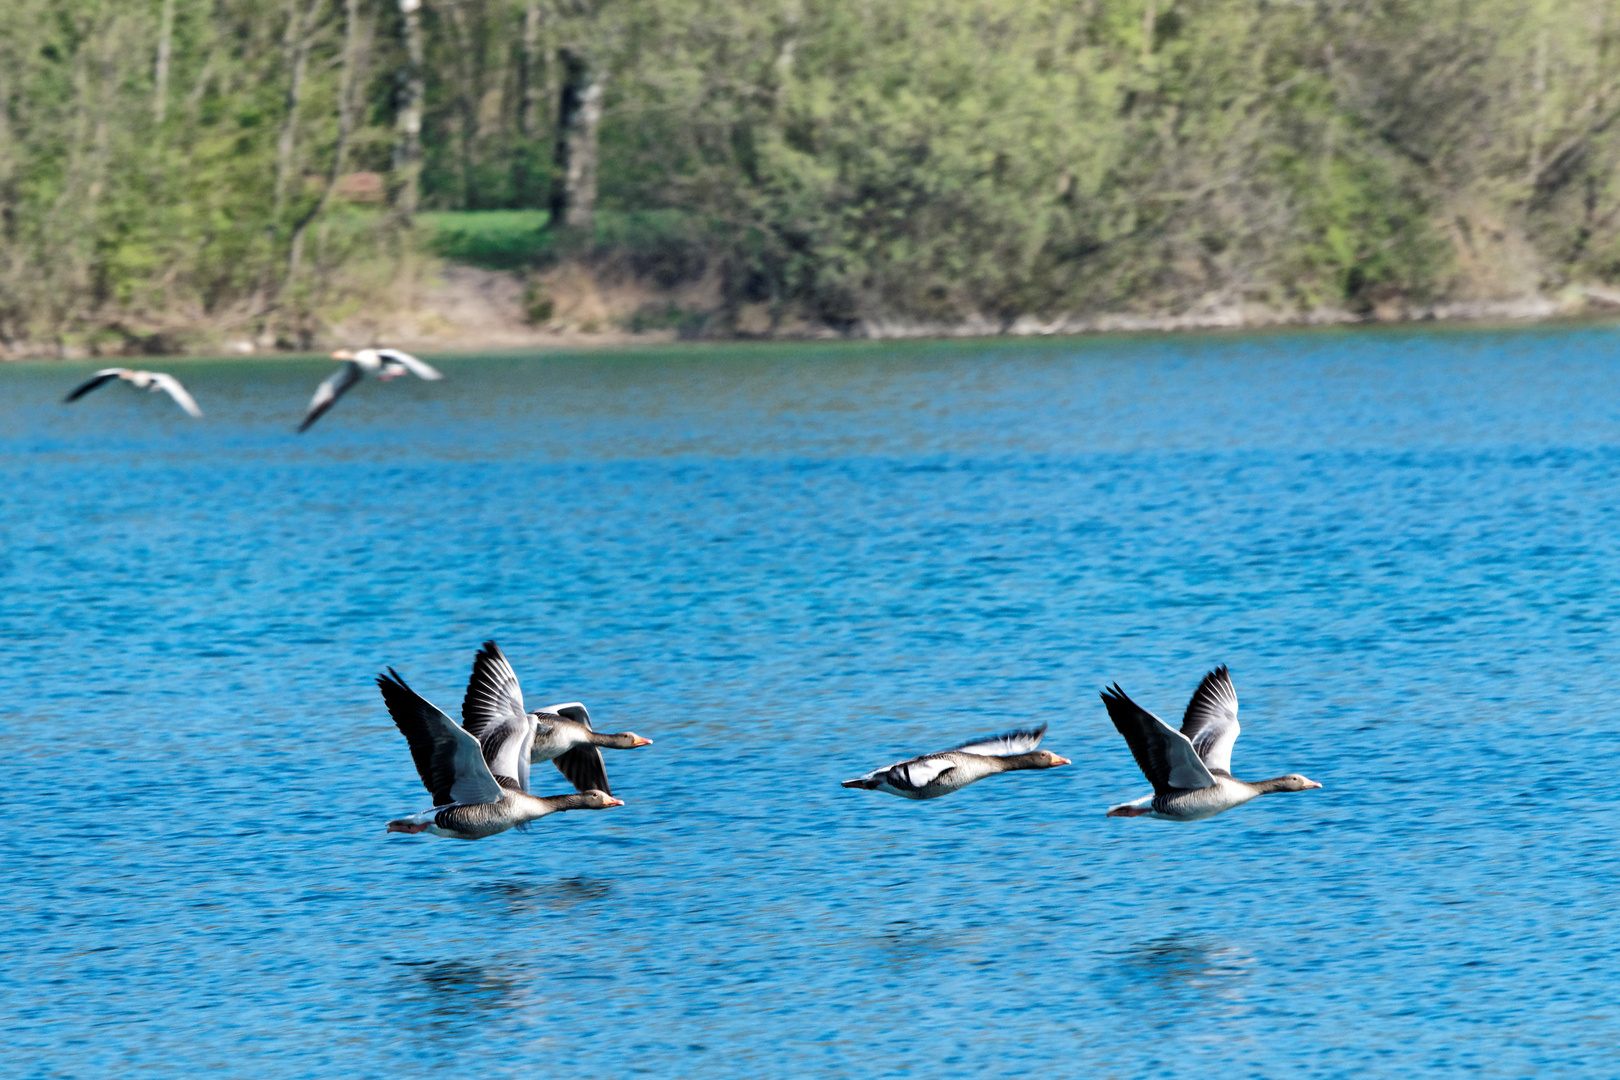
(165, 163)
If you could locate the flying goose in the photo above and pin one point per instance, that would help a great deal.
(562, 733)
(140, 380)
(933, 775)
(471, 798)
(385, 364)
(1190, 769)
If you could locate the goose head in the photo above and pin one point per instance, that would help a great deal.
(598, 800)
(1045, 759)
(1294, 782)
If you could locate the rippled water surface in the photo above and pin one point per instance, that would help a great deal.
(789, 565)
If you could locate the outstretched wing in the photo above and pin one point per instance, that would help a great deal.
(572, 710)
(333, 387)
(102, 376)
(582, 766)
(447, 757)
(1211, 723)
(420, 368)
(493, 695)
(505, 745)
(1163, 754)
(172, 385)
(1013, 742)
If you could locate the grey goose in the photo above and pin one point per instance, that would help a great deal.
(1190, 769)
(151, 381)
(474, 795)
(385, 364)
(932, 775)
(562, 733)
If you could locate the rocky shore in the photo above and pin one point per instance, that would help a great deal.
(450, 308)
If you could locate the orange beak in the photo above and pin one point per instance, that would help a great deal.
(615, 802)
(640, 741)
(343, 354)
(1064, 761)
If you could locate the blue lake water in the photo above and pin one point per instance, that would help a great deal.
(789, 565)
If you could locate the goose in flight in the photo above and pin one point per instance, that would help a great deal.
(1190, 769)
(140, 380)
(933, 775)
(562, 733)
(385, 364)
(477, 791)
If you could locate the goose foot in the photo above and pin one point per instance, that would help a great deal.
(406, 827)
(1128, 811)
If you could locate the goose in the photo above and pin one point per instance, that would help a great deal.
(140, 380)
(473, 795)
(562, 733)
(933, 775)
(385, 364)
(1190, 769)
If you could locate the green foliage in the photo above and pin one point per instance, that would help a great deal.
(840, 160)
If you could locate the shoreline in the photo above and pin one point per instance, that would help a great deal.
(499, 334)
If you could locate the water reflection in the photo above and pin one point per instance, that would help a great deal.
(453, 1003)
(1185, 967)
(904, 940)
(456, 985)
(524, 893)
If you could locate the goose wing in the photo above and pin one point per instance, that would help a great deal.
(102, 376)
(572, 710)
(172, 387)
(1013, 742)
(505, 745)
(581, 765)
(447, 757)
(420, 368)
(332, 387)
(493, 694)
(918, 772)
(1164, 754)
(1211, 723)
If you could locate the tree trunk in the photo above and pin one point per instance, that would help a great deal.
(530, 91)
(529, 114)
(579, 117)
(295, 46)
(1538, 117)
(466, 103)
(353, 49)
(160, 73)
(296, 43)
(405, 184)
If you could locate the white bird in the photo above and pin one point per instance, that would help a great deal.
(1190, 769)
(385, 364)
(933, 775)
(141, 380)
(477, 790)
(562, 733)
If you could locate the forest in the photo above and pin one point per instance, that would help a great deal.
(176, 170)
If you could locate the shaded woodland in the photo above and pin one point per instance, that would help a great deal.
(250, 166)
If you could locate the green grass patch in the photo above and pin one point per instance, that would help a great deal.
(492, 239)
(666, 244)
